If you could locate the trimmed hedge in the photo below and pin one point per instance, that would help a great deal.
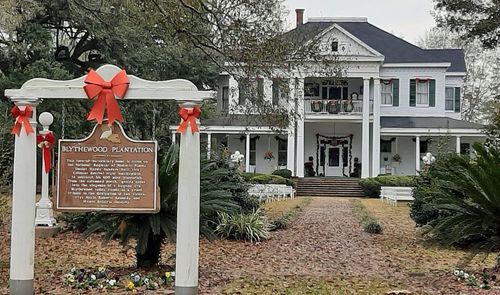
(371, 186)
(266, 178)
(285, 173)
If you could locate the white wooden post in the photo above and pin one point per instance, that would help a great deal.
(290, 153)
(417, 154)
(22, 245)
(457, 147)
(376, 128)
(188, 214)
(173, 137)
(365, 126)
(247, 153)
(209, 145)
(299, 92)
(44, 212)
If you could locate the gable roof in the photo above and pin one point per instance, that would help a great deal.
(394, 49)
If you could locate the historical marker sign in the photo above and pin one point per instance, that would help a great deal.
(107, 171)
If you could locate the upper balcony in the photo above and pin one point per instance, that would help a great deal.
(326, 98)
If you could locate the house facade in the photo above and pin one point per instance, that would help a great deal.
(394, 103)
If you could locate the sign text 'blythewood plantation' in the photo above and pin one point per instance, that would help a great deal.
(107, 172)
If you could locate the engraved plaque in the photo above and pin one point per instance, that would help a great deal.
(107, 171)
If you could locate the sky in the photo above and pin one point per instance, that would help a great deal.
(409, 19)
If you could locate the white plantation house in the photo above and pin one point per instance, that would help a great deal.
(395, 103)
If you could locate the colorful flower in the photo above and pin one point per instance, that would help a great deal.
(130, 286)
(93, 277)
(137, 278)
(112, 282)
(168, 274)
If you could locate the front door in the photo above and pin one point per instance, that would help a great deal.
(333, 161)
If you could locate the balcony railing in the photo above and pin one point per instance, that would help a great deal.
(334, 106)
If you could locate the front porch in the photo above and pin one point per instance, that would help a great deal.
(342, 148)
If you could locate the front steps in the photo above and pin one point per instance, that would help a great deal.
(329, 187)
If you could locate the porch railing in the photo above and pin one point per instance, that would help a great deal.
(334, 106)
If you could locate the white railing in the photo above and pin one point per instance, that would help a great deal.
(334, 106)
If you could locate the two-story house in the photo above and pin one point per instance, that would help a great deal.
(395, 103)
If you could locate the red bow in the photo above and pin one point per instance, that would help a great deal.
(189, 115)
(105, 92)
(22, 118)
(46, 142)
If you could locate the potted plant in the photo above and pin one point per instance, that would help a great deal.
(317, 106)
(333, 107)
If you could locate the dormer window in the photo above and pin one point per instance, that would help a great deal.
(335, 46)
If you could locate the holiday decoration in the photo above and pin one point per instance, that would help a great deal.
(189, 115)
(46, 142)
(104, 93)
(22, 118)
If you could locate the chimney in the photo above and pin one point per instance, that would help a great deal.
(300, 16)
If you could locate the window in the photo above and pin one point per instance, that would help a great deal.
(225, 98)
(385, 146)
(260, 89)
(424, 146)
(335, 46)
(334, 157)
(334, 92)
(280, 90)
(465, 148)
(244, 90)
(449, 99)
(253, 151)
(423, 93)
(386, 93)
(282, 151)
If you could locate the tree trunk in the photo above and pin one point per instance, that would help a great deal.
(151, 256)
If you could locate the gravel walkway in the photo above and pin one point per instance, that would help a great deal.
(326, 240)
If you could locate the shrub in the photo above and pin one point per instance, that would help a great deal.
(282, 222)
(285, 173)
(268, 179)
(371, 186)
(252, 227)
(222, 190)
(372, 227)
(467, 192)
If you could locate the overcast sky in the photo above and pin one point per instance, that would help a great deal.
(405, 18)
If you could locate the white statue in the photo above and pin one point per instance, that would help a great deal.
(428, 159)
(236, 158)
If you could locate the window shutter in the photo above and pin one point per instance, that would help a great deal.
(457, 99)
(395, 93)
(432, 93)
(413, 92)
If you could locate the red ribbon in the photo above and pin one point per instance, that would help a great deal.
(189, 115)
(46, 142)
(22, 118)
(105, 92)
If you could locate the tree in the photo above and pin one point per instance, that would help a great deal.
(481, 84)
(471, 19)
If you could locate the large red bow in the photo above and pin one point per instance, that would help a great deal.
(105, 92)
(22, 118)
(46, 142)
(189, 115)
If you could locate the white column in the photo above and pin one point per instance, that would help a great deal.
(290, 153)
(209, 145)
(22, 245)
(376, 128)
(44, 212)
(417, 154)
(188, 214)
(365, 140)
(299, 92)
(457, 148)
(247, 153)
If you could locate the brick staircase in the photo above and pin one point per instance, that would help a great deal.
(329, 187)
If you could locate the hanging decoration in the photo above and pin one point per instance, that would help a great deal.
(22, 118)
(46, 142)
(334, 140)
(104, 93)
(189, 115)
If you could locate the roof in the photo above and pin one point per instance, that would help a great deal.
(427, 122)
(394, 49)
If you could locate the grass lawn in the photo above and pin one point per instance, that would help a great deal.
(275, 210)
